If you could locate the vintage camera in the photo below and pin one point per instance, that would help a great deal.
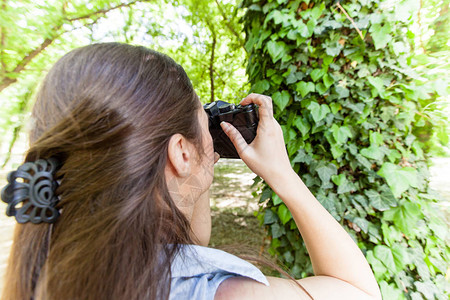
(244, 118)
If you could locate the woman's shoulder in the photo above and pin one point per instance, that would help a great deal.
(198, 271)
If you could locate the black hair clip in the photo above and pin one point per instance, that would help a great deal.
(36, 192)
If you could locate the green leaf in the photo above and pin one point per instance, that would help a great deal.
(405, 217)
(362, 223)
(317, 11)
(364, 161)
(284, 214)
(261, 86)
(381, 35)
(378, 85)
(276, 199)
(341, 134)
(335, 107)
(372, 152)
(327, 80)
(321, 88)
(389, 291)
(399, 179)
(336, 150)
(266, 194)
(325, 172)
(401, 257)
(344, 186)
(305, 87)
(269, 217)
(316, 74)
(428, 289)
(378, 202)
(318, 112)
(376, 138)
(384, 254)
(377, 266)
(302, 125)
(343, 92)
(277, 230)
(276, 50)
(281, 99)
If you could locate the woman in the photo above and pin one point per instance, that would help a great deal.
(123, 142)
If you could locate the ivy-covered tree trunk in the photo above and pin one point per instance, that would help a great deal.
(358, 128)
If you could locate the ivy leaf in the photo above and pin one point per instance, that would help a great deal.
(364, 161)
(381, 35)
(378, 202)
(372, 152)
(276, 50)
(328, 203)
(261, 86)
(336, 150)
(302, 125)
(266, 193)
(341, 134)
(305, 87)
(317, 11)
(376, 138)
(389, 291)
(276, 199)
(270, 217)
(384, 254)
(277, 16)
(335, 107)
(405, 217)
(344, 186)
(277, 230)
(399, 179)
(401, 257)
(377, 266)
(342, 92)
(325, 172)
(428, 289)
(284, 214)
(318, 112)
(316, 74)
(321, 88)
(378, 84)
(327, 80)
(281, 99)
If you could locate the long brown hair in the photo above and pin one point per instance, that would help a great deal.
(107, 111)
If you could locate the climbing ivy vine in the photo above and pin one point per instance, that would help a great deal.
(360, 119)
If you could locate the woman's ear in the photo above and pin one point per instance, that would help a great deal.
(179, 155)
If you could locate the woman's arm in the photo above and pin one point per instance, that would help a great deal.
(338, 264)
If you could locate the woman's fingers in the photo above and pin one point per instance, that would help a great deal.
(216, 157)
(235, 136)
(265, 105)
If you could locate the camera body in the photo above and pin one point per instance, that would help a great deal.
(244, 118)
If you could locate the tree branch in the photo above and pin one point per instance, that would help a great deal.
(420, 27)
(227, 23)
(351, 20)
(2, 41)
(104, 11)
(6, 81)
(211, 62)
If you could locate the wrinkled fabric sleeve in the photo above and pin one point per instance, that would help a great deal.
(198, 271)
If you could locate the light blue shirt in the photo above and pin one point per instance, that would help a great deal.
(198, 271)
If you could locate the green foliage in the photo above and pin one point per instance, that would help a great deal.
(360, 119)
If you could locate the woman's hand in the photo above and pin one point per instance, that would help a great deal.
(266, 156)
